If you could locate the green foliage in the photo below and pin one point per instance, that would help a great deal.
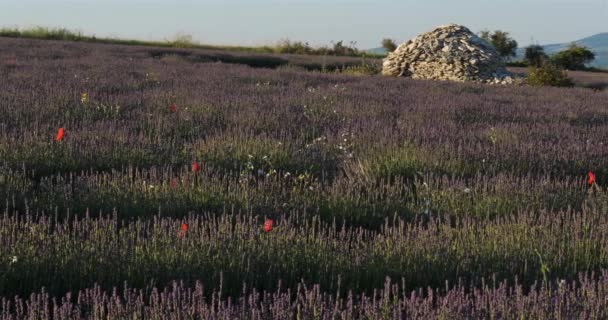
(573, 58)
(340, 49)
(294, 47)
(182, 41)
(300, 47)
(251, 154)
(535, 56)
(505, 45)
(404, 161)
(43, 33)
(389, 44)
(364, 69)
(548, 75)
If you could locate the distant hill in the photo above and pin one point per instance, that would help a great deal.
(597, 43)
(377, 51)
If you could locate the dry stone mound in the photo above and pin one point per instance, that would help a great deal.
(450, 52)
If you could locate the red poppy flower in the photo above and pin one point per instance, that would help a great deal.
(268, 225)
(173, 108)
(60, 134)
(195, 166)
(173, 183)
(183, 230)
(590, 178)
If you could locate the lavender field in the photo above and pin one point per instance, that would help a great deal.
(140, 185)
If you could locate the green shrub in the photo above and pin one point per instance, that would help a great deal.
(362, 69)
(548, 75)
(294, 47)
(182, 41)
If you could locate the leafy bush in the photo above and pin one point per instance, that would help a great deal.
(294, 47)
(182, 41)
(362, 69)
(548, 75)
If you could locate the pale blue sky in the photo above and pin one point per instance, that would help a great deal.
(263, 22)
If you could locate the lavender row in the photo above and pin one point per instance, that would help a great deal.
(582, 298)
(355, 198)
(74, 253)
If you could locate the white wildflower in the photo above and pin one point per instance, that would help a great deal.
(467, 190)
(13, 259)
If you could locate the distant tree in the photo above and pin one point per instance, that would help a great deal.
(485, 34)
(535, 56)
(339, 49)
(296, 47)
(389, 44)
(573, 58)
(505, 45)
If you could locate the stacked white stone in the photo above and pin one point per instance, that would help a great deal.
(450, 52)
